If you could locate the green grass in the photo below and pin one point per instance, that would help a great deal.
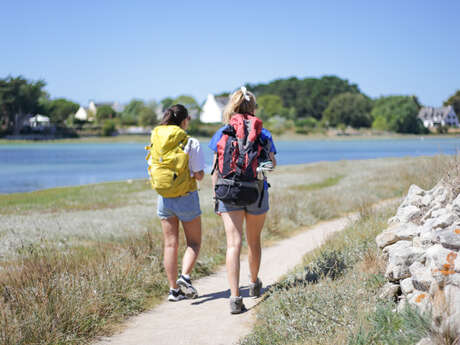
(332, 297)
(329, 298)
(87, 197)
(329, 182)
(66, 288)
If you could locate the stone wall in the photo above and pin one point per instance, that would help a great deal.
(421, 247)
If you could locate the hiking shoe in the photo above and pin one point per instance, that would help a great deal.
(186, 286)
(236, 305)
(255, 288)
(175, 295)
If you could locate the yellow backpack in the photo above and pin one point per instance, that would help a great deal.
(168, 163)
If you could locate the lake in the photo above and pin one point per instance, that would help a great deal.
(29, 167)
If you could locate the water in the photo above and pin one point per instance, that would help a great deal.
(28, 167)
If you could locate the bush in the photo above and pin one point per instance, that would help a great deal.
(397, 114)
(108, 128)
(349, 109)
(305, 125)
(278, 124)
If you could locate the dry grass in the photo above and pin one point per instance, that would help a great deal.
(65, 287)
(332, 297)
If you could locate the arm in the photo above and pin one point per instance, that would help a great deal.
(198, 175)
(196, 159)
(273, 159)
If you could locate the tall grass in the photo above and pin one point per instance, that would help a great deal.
(65, 289)
(332, 298)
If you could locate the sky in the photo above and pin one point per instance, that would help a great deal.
(120, 50)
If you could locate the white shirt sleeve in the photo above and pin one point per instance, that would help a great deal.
(196, 160)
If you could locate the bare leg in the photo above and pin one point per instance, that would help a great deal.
(192, 231)
(170, 228)
(233, 223)
(254, 225)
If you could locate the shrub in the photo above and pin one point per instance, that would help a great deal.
(108, 128)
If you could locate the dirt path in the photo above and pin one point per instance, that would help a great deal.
(206, 320)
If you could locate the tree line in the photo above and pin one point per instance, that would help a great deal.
(330, 101)
(305, 105)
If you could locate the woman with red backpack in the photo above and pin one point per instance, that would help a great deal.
(242, 149)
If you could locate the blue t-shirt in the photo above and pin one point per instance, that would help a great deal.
(265, 134)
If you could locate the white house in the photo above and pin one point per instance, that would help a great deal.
(89, 113)
(434, 117)
(213, 109)
(39, 121)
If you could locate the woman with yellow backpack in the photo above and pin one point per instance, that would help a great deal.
(176, 162)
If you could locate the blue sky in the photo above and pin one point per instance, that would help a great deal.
(118, 50)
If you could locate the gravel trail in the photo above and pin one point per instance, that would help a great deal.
(206, 320)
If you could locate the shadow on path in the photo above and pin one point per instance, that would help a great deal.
(244, 292)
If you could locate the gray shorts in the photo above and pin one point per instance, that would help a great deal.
(253, 209)
(186, 207)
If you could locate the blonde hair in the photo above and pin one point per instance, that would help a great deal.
(241, 101)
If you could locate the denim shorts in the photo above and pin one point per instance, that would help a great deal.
(186, 207)
(253, 209)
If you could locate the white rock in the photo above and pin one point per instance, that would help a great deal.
(454, 279)
(421, 277)
(437, 256)
(452, 296)
(395, 273)
(443, 221)
(449, 238)
(408, 213)
(421, 300)
(386, 238)
(457, 264)
(441, 262)
(441, 193)
(439, 212)
(389, 290)
(406, 286)
(400, 256)
(456, 206)
(427, 199)
(397, 232)
(407, 231)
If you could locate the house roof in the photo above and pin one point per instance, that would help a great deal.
(437, 114)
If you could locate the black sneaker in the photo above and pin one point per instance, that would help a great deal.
(186, 286)
(175, 295)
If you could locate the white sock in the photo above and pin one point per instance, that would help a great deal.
(175, 290)
(186, 276)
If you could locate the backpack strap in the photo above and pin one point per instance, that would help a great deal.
(216, 161)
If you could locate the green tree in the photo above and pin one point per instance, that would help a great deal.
(166, 103)
(18, 98)
(148, 117)
(189, 102)
(132, 111)
(105, 112)
(270, 105)
(59, 109)
(350, 109)
(397, 114)
(454, 101)
(108, 127)
(309, 96)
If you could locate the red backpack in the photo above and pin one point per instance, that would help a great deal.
(238, 152)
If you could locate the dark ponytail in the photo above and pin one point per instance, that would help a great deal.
(174, 115)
